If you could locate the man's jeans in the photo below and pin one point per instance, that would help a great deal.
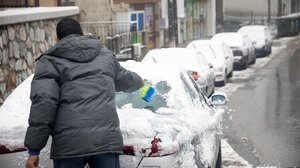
(97, 161)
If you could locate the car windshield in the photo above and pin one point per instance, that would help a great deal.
(158, 101)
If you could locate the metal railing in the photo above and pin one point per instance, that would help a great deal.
(116, 36)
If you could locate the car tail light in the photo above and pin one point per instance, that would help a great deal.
(128, 150)
(195, 76)
(238, 53)
(155, 147)
(155, 150)
(4, 149)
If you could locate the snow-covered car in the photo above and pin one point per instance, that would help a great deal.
(261, 36)
(241, 45)
(221, 57)
(178, 128)
(189, 59)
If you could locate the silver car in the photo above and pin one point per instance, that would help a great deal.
(176, 126)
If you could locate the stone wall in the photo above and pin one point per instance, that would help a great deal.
(20, 45)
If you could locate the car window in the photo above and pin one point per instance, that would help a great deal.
(159, 99)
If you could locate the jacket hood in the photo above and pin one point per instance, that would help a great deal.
(76, 48)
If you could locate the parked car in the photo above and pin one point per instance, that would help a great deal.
(241, 45)
(221, 57)
(190, 59)
(174, 128)
(178, 128)
(261, 36)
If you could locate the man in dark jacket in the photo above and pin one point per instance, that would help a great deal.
(73, 100)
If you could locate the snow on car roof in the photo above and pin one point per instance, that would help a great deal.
(186, 58)
(253, 31)
(232, 39)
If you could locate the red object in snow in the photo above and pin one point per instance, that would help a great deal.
(5, 150)
(128, 150)
(154, 148)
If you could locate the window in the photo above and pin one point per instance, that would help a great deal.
(189, 89)
(159, 99)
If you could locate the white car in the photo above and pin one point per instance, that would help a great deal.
(220, 56)
(178, 128)
(190, 59)
(241, 45)
(261, 36)
(172, 130)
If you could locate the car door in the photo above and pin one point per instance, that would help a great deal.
(209, 135)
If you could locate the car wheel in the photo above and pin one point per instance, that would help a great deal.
(223, 83)
(219, 159)
(245, 66)
(254, 60)
(229, 75)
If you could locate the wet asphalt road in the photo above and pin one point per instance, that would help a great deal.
(264, 124)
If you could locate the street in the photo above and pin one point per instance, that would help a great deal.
(262, 124)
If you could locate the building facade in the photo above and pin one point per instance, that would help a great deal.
(174, 22)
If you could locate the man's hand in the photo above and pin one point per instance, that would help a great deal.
(32, 161)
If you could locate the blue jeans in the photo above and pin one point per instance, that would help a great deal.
(96, 161)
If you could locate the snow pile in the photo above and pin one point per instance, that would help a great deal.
(231, 159)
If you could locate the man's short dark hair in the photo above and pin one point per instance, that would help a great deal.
(67, 27)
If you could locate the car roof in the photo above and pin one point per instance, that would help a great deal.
(175, 56)
(154, 71)
(233, 39)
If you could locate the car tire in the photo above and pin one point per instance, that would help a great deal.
(245, 66)
(223, 83)
(230, 74)
(254, 60)
(219, 159)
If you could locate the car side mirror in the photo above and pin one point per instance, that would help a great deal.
(210, 65)
(219, 99)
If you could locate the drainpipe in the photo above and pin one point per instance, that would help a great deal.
(279, 8)
(269, 12)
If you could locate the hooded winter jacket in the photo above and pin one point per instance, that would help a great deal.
(73, 99)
